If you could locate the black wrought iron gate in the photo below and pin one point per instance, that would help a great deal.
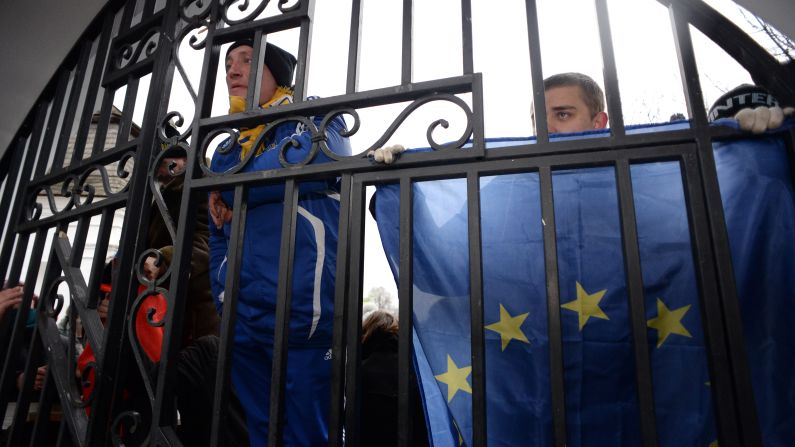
(134, 39)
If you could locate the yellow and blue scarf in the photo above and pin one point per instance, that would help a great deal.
(283, 95)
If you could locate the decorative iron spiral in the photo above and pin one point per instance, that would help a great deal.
(34, 209)
(129, 54)
(84, 373)
(152, 289)
(144, 364)
(161, 203)
(85, 186)
(203, 10)
(194, 22)
(242, 7)
(179, 121)
(318, 134)
(52, 302)
(121, 172)
(68, 187)
(77, 189)
(135, 420)
(170, 144)
(284, 9)
(233, 135)
(139, 269)
(429, 133)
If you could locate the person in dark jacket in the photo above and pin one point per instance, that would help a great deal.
(201, 317)
(379, 372)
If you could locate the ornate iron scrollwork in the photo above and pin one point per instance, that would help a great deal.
(243, 6)
(141, 274)
(89, 189)
(78, 189)
(141, 358)
(154, 286)
(195, 15)
(84, 375)
(52, 301)
(50, 306)
(319, 140)
(130, 53)
(284, 8)
(158, 197)
(134, 419)
(178, 140)
(34, 209)
(170, 145)
(121, 172)
(429, 133)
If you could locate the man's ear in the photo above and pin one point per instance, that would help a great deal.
(600, 120)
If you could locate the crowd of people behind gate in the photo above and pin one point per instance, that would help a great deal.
(574, 103)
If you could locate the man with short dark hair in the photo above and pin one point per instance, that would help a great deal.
(574, 103)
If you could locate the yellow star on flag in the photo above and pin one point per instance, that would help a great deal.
(713, 443)
(586, 305)
(509, 327)
(668, 322)
(455, 378)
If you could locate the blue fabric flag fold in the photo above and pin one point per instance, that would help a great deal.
(599, 365)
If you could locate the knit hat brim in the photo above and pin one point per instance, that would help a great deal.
(741, 97)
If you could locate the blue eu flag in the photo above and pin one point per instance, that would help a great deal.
(600, 388)
(759, 204)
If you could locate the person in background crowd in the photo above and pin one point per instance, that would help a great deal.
(379, 372)
(200, 317)
(10, 297)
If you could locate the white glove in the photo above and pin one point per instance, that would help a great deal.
(387, 154)
(762, 118)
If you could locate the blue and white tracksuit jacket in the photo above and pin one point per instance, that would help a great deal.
(312, 303)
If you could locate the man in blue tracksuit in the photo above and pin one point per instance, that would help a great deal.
(307, 397)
